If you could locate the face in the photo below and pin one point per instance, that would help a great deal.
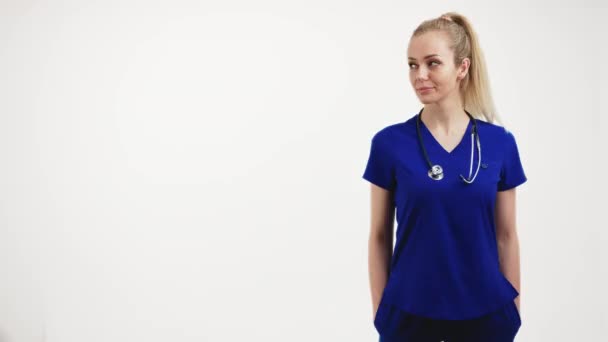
(437, 71)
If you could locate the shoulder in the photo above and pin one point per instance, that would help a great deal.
(387, 133)
(499, 142)
(499, 135)
(392, 131)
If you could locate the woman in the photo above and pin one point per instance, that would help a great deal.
(454, 272)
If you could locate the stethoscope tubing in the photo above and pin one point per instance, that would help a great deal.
(436, 171)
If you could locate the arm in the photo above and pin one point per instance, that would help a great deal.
(507, 239)
(380, 242)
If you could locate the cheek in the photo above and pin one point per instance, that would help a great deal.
(445, 82)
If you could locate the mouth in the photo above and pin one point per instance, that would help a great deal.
(424, 90)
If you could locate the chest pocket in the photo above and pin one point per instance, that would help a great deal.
(489, 172)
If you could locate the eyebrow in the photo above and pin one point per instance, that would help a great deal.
(425, 57)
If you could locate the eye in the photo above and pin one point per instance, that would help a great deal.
(431, 62)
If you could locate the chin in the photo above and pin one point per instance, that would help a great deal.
(430, 99)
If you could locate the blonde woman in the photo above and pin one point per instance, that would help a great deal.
(449, 174)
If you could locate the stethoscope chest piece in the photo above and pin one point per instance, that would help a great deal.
(436, 172)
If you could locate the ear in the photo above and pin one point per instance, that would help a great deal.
(464, 68)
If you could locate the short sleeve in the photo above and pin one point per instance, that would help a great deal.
(512, 173)
(379, 169)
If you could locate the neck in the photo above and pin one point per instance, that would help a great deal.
(448, 120)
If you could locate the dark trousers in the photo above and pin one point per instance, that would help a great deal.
(499, 326)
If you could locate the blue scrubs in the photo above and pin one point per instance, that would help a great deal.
(444, 265)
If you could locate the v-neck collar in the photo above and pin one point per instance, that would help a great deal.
(436, 142)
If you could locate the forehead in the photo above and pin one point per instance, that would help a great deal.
(429, 43)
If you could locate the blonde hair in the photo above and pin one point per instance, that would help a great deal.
(475, 86)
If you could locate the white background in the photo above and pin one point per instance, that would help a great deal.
(191, 171)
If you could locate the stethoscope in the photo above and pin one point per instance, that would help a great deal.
(436, 171)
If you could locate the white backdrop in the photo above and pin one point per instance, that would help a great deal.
(191, 170)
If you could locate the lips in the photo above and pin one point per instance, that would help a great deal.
(425, 88)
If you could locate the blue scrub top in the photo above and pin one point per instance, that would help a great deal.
(445, 261)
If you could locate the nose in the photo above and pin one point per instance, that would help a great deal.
(421, 75)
